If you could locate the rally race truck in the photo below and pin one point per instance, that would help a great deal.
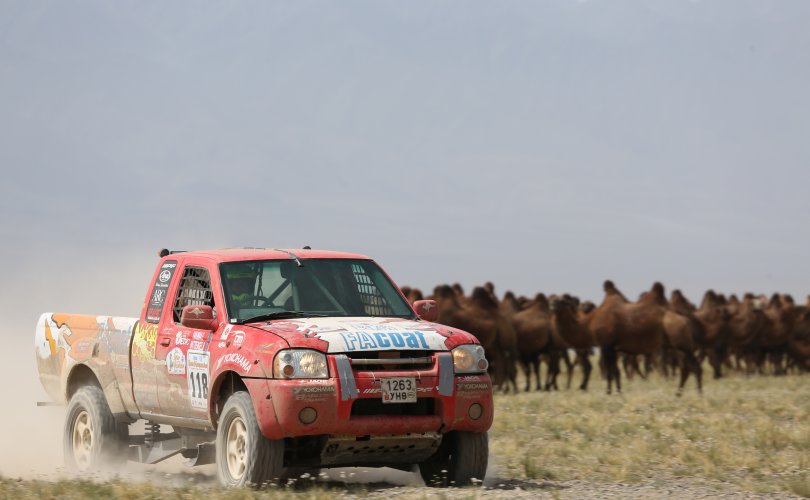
(270, 362)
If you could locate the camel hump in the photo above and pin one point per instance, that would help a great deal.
(482, 298)
(610, 287)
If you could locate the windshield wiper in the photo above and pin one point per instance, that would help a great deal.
(281, 315)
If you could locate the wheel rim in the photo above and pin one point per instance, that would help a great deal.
(83, 441)
(236, 448)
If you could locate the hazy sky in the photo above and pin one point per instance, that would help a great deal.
(540, 145)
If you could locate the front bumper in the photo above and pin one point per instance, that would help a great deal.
(349, 404)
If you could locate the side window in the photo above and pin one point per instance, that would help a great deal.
(194, 290)
(373, 301)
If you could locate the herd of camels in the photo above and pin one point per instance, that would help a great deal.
(757, 334)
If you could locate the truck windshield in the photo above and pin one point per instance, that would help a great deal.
(319, 287)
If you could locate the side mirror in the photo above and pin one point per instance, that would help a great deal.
(427, 310)
(200, 317)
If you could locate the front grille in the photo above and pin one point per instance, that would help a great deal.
(375, 407)
(391, 360)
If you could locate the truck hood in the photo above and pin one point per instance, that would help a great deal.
(345, 335)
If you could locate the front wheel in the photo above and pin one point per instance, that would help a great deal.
(92, 439)
(244, 456)
(462, 457)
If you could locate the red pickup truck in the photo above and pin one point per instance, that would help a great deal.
(268, 362)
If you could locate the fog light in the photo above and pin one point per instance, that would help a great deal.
(475, 411)
(483, 364)
(308, 415)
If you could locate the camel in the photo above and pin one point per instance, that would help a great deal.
(533, 330)
(715, 320)
(479, 316)
(746, 323)
(570, 326)
(643, 327)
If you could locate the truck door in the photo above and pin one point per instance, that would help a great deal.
(144, 339)
(182, 354)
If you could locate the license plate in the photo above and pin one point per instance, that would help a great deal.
(398, 390)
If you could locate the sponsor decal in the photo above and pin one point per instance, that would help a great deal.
(470, 378)
(176, 362)
(236, 359)
(226, 332)
(199, 336)
(197, 345)
(313, 394)
(314, 389)
(238, 338)
(347, 335)
(363, 341)
(159, 291)
(222, 345)
(82, 347)
(198, 366)
(181, 339)
(265, 348)
(144, 342)
(482, 386)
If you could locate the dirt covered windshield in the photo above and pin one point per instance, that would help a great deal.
(319, 287)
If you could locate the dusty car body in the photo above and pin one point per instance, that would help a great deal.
(311, 357)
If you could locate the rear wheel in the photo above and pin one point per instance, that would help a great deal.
(92, 439)
(244, 456)
(462, 457)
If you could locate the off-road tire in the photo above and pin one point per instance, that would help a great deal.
(461, 458)
(252, 460)
(92, 440)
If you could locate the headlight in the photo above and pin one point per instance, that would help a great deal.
(469, 358)
(300, 363)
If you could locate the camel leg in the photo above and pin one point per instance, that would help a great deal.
(715, 360)
(538, 386)
(586, 371)
(685, 369)
(611, 367)
(527, 369)
(628, 362)
(569, 368)
(511, 372)
(555, 361)
(698, 374)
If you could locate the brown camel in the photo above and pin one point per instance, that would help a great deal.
(643, 327)
(715, 320)
(479, 316)
(533, 330)
(570, 327)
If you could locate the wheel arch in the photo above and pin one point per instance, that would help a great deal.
(227, 382)
(80, 376)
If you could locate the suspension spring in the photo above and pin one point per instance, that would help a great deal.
(151, 433)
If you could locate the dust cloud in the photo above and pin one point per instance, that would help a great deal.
(56, 281)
